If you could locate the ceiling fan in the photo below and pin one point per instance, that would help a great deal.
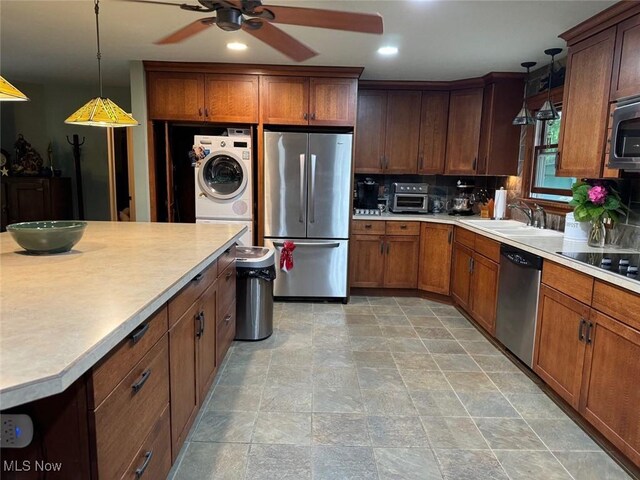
(257, 20)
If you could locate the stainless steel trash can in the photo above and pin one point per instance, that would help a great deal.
(254, 292)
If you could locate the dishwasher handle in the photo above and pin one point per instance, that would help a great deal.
(520, 257)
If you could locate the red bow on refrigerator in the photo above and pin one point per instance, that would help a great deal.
(286, 256)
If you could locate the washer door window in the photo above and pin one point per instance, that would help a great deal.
(222, 177)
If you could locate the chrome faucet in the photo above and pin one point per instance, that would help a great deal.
(524, 208)
(543, 216)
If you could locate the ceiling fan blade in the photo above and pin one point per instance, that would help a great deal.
(333, 19)
(187, 31)
(153, 2)
(281, 41)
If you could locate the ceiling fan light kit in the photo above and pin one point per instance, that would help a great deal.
(100, 111)
(236, 46)
(9, 93)
(258, 21)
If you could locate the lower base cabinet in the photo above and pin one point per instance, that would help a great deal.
(434, 273)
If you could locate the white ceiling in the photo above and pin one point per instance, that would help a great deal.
(53, 40)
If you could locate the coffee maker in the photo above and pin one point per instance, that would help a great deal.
(367, 194)
(462, 203)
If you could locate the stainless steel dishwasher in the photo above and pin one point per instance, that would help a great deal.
(518, 301)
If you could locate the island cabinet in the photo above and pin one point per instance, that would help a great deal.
(463, 131)
(321, 101)
(383, 254)
(434, 272)
(587, 346)
(229, 98)
(474, 276)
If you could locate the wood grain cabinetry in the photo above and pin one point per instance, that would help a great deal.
(463, 131)
(586, 106)
(202, 97)
(625, 81)
(484, 291)
(434, 272)
(385, 260)
(433, 132)
(308, 100)
(27, 199)
(461, 274)
(370, 133)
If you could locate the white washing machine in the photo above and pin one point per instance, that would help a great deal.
(223, 185)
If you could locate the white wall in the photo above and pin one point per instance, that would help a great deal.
(41, 120)
(140, 148)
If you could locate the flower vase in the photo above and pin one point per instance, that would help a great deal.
(597, 234)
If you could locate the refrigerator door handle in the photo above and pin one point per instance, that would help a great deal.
(312, 207)
(302, 173)
(309, 244)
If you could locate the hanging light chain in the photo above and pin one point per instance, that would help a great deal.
(99, 55)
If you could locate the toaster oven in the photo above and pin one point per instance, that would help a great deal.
(409, 198)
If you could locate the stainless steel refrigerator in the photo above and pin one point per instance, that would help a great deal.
(307, 180)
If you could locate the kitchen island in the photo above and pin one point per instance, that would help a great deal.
(60, 314)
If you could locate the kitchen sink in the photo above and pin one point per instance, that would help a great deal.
(491, 224)
(511, 228)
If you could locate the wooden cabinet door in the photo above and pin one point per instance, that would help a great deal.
(434, 271)
(370, 131)
(175, 96)
(183, 376)
(463, 131)
(333, 101)
(484, 292)
(28, 200)
(559, 349)
(401, 263)
(461, 274)
(402, 132)
(367, 260)
(433, 133)
(206, 336)
(610, 397)
(585, 106)
(626, 65)
(231, 98)
(284, 100)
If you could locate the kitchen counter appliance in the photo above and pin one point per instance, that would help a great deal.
(409, 198)
(518, 290)
(462, 203)
(625, 136)
(367, 194)
(624, 264)
(307, 181)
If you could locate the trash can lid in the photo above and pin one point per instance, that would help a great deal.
(255, 257)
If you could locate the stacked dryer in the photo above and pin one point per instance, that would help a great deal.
(223, 181)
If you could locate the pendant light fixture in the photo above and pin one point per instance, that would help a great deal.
(100, 111)
(524, 116)
(548, 110)
(9, 93)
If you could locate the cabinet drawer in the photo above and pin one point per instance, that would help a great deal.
(373, 227)
(225, 332)
(227, 258)
(403, 228)
(465, 237)
(226, 289)
(108, 373)
(617, 302)
(190, 293)
(153, 458)
(126, 417)
(488, 248)
(568, 281)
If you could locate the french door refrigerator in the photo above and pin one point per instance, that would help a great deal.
(307, 178)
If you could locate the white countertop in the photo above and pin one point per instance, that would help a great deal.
(59, 314)
(546, 247)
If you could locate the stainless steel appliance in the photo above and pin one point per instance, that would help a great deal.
(409, 198)
(462, 203)
(625, 264)
(518, 290)
(254, 286)
(307, 181)
(625, 136)
(367, 194)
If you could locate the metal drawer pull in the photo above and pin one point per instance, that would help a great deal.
(381, 247)
(307, 244)
(368, 225)
(581, 329)
(227, 318)
(202, 319)
(143, 467)
(137, 335)
(228, 276)
(197, 278)
(140, 383)
(198, 318)
(403, 227)
(589, 328)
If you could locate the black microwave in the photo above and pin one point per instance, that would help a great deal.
(625, 136)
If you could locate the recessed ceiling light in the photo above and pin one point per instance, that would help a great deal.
(236, 46)
(388, 50)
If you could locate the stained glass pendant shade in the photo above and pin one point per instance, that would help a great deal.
(548, 110)
(524, 116)
(100, 111)
(9, 93)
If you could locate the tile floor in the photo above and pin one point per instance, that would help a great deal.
(381, 388)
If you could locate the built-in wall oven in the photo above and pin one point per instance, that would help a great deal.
(625, 136)
(409, 198)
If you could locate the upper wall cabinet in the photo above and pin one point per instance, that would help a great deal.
(202, 97)
(370, 132)
(625, 81)
(586, 106)
(463, 135)
(433, 132)
(308, 101)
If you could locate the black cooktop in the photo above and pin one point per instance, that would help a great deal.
(624, 264)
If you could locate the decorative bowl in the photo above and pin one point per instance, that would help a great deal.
(41, 238)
